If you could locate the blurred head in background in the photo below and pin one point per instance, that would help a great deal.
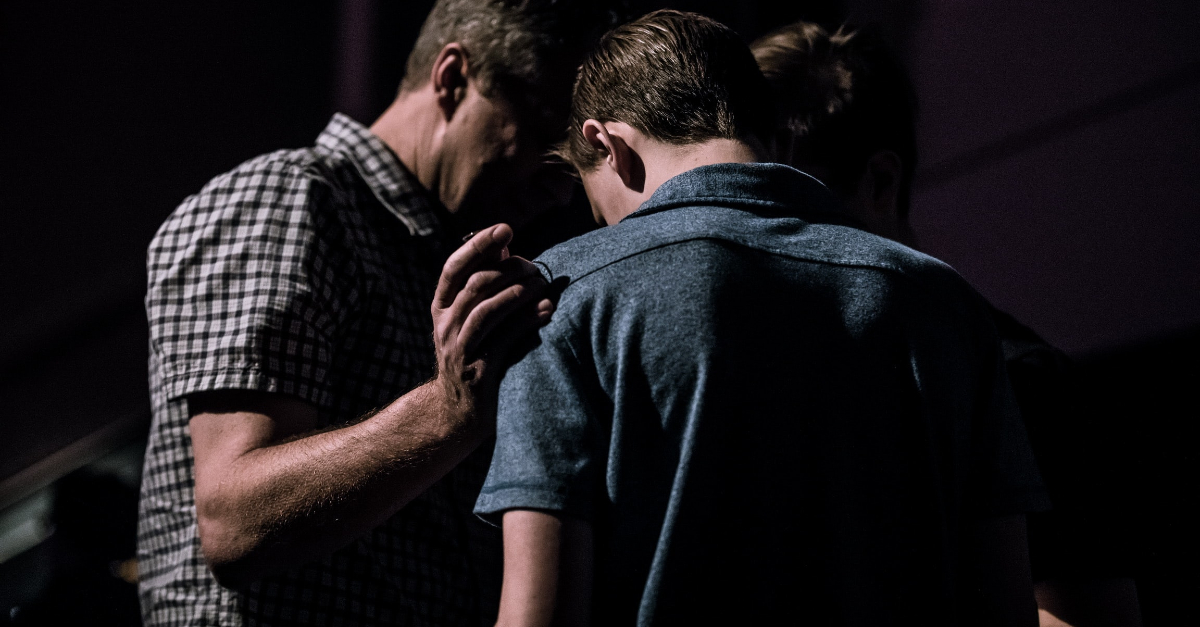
(848, 117)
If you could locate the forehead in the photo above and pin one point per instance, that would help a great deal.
(538, 115)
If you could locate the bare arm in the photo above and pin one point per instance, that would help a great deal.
(265, 503)
(1000, 584)
(271, 493)
(547, 570)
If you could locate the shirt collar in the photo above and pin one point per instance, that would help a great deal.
(762, 186)
(383, 172)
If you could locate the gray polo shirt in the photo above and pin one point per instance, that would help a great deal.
(761, 412)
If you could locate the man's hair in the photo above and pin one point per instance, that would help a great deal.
(523, 50)
(680, 78)
(843, 96)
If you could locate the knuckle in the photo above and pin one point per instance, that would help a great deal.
(478, 246)
(476, 283)
(453, 263)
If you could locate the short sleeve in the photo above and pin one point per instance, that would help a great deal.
(548, 443)
(1004, 474)
(245, 288)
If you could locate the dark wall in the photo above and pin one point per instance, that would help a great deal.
(1060, 143)
(112, 113)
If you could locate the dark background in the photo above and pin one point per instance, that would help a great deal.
(1058, 173)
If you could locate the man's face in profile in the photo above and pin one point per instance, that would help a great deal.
(503, 173)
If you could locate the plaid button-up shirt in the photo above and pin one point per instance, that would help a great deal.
(306, 272)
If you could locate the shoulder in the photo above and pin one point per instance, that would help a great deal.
(1023, 347)
(825, 247)
(273, 177)
(276, 191)
(843, 248)
(277, 214)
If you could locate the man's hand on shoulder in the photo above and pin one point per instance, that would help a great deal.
(273, 492)
(485, 301)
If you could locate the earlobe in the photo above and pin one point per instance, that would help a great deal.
(885, 170)
(449, 77)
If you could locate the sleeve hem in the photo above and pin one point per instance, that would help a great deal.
(245, 378)
(492, 504)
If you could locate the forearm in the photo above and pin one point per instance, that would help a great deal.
(281, 505)
(547, 570)
(532, 552)
(271, 493)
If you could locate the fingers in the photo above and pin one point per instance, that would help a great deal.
(486, 283)
(525, 300)
(515, 327)
(487, 247)
(490, 295)
(485, 299)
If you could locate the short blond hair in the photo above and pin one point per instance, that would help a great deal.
(677, 77)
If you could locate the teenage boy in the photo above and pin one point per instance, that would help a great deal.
(743, 411)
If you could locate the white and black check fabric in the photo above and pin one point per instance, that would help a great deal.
(306, 272)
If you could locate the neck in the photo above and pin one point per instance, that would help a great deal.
(666, 161)
(675, 160)
(409, 130)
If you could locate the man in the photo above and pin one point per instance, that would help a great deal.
(849, 114)
(310, 458)
(742, 411)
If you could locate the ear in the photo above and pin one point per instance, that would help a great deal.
(449, 78)
(616, 154)
(882, 182)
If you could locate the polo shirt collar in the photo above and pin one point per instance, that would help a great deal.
(388, 179)
(762, 187)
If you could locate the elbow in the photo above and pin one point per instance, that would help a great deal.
(228, 550)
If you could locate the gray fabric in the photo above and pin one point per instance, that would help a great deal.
(760, 412)
(309, 273)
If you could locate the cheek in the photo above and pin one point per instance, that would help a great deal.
(486, 134)
(498, 132)
(511, 162)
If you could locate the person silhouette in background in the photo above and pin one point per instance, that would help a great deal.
(848, 112)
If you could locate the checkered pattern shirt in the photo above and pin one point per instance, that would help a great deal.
(310, 273)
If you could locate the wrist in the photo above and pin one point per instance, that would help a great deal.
(455, 405)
